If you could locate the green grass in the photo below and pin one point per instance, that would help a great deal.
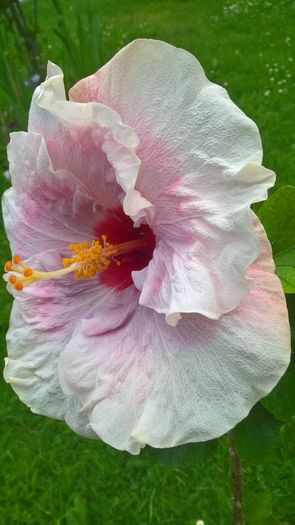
(49, 475)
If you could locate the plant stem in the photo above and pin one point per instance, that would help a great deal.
(237, 475)
(26, 33)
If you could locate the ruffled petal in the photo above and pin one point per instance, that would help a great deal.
(200, 170)
(148, 383)
(202, 273)
(89, 140)
(203, 253)
(46, 208)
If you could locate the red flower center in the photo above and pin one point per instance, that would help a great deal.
(119, 229)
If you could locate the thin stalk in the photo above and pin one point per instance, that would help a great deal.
(237, 482)
(25, 32)
(35, 16)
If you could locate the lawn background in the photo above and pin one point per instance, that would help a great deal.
(48, 474)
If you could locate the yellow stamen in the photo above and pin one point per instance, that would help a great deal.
(27, 275)
(86, 261)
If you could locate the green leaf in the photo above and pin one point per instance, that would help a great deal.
(185, 455)
(281, 401)
(291, 310)
(278, 218)
(285, 269)
(255, 434)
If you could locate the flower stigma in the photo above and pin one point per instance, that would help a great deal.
(86, 261)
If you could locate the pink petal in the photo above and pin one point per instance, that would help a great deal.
(45, 209)
(149, 383)
(111, 313)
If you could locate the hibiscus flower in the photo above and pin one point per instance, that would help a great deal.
(146, 307)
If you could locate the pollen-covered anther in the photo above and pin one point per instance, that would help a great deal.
(18, 273)
(8, 266)
(90, 259)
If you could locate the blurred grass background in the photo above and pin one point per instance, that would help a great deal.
(47, 473)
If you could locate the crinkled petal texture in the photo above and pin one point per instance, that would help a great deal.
(149, 383)
(200, 170)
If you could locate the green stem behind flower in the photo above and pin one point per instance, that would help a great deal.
(27, 34)
(237, 475)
